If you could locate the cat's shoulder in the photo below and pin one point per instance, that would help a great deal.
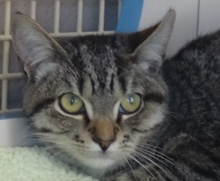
(203, 46)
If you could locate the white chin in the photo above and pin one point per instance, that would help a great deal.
(100, 163)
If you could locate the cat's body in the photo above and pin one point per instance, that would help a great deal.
(103, 103)
(193, 78)
(187, 144)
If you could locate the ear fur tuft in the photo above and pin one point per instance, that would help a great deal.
(33, 45)
(150, 53)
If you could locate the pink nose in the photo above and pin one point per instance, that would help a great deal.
(103, 132)
(104, 144)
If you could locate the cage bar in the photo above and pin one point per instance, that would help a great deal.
(119, 7)
(5, 81)
(6, 46)
(66, 34)
(71, 34)
(5, 37)
(79, 16)
(101, 15)
(10, 110)
(10, 76)
(33, 9)
(57, 17)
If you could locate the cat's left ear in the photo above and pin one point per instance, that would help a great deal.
(149, 54)
(36, 49)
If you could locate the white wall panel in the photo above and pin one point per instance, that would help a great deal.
(185, 27)
(14, 132)
(209, 16)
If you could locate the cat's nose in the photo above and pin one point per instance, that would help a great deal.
(104, 144)
(103, 132)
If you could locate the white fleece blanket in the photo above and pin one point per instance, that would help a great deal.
(34, 164)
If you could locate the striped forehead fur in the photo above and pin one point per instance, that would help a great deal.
(97, 59)
(100, 66)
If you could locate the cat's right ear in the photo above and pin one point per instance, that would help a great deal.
(149, 53)
(35, 48)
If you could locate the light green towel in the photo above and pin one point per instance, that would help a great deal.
(34, 164)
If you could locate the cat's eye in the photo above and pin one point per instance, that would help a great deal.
(70, 103)
(130, 104)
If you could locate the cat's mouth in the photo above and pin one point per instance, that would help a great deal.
(100, 160)
(103, 155)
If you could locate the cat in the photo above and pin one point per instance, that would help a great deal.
(110, 105)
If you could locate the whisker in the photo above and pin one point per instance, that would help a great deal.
(130, 167)
(158, 173)
(176, 166)
(162, 156)
(173, 114)
(157, 149)
(133, 158)
(156, 153)
(154, 163)
(155, 157)
(154, 147)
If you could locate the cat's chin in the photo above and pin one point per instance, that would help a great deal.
(100, 163)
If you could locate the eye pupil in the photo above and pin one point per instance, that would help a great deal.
(130, 99)
(72, 100)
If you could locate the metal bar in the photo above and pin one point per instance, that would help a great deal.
(71, 34)
(57, 16)
(10, 110)
(79, 16)
(33, 9)
(5, 37)
(101, 15)
(198, 19)
(7, 17)
(119, 7)
(66, 34)
(6, 47)
(10, 76)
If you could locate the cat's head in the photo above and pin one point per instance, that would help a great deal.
(96, 98)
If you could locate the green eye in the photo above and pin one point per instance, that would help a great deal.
(71, 103)
(130, 104)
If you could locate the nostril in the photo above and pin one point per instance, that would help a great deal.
(117, 129)
(104, 144)
(91, 130)
(104, 147)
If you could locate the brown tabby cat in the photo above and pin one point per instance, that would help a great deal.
(102, 102)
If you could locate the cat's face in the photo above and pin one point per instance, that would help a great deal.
(95, 98)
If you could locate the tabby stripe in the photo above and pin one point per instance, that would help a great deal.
(44, 130)
(153, 97)
(140, 131)
(41, 106)
(112, 82)
(207, 172)
(123, 83)
(93, 86)
(80, 85)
